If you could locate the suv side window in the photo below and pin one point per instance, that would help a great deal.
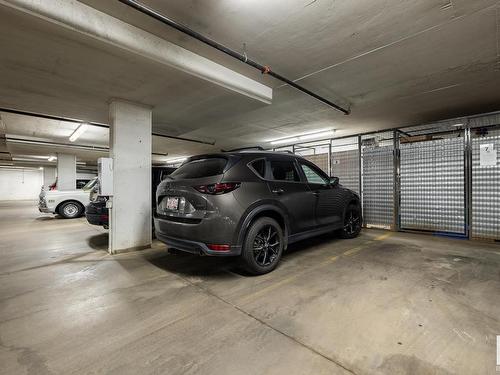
(313, 176)
(259, 167)
(284, 170)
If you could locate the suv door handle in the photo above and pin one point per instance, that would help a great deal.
(316, 193)
(278, 191)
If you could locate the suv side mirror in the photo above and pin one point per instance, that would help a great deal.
(334, 181)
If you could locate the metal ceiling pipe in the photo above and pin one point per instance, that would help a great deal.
(241, 57)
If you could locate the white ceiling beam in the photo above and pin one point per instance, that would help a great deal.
(84, 19)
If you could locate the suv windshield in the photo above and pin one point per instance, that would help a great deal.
(200, 168)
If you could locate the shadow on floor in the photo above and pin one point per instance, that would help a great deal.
(223, 267)
(99, 241)
(51, 217)
(45, 218)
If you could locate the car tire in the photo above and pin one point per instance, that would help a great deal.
(70, 210)
(352, 222)
(263, 246)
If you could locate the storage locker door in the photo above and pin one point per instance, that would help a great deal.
(432, 185)
(378, 186)
(486, 186)
(345, 166)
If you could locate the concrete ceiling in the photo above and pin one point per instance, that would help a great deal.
(18, 130)
(395, 62)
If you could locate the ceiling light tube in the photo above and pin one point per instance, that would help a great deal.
(317, 135)
(305, 136)
(78, 132)
(285, 140)
(52, 158)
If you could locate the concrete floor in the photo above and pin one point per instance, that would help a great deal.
(384, 303)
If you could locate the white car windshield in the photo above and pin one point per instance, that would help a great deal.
(90, 184)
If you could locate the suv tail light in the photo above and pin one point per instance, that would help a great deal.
(219, 247)
(216, 189)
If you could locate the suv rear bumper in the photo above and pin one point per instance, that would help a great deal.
(164, 229)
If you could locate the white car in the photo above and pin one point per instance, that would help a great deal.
(69, 204)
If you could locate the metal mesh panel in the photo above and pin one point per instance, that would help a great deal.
(484, 120)
(432, 185)
(378, 180)
(345, 162)
(486, 189)
(321, 160)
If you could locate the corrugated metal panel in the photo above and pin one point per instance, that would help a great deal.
(432, 185)
(321, 160)
(378, 180)
(486, 189)
(345, 166)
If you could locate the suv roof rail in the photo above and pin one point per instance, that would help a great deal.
(244, 148)
(287, 151)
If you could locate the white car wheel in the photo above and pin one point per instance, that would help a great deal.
(70, 210)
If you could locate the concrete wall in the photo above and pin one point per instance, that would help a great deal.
(19, 184)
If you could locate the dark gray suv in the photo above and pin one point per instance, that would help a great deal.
(251, 204)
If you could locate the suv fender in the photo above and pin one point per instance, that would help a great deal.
(253, 211)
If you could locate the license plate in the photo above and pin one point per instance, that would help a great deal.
(172, 203)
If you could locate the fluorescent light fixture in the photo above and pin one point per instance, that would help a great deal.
(457, 125)
(285, 140)
(52, 158)
(303, 137)
(316, 135)
(78, 132)
(40, 168)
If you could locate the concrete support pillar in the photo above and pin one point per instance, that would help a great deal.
(66, 172)
(130, 148)
(49, 176)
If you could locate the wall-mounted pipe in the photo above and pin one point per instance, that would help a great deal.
(241, 57)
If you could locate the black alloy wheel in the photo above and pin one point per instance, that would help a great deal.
(352, 222)
(266, 245)
(263, 246)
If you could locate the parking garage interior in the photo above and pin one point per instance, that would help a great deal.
(396, 102)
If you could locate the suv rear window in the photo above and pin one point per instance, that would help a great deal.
(259, 166)
(200, 168)
(284, 171)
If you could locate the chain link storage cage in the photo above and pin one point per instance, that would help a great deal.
(485, 183)
(432, 182)
(345, 162)
(377, 179)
